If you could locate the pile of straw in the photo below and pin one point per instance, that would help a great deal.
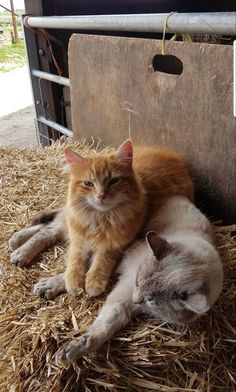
(147, 356)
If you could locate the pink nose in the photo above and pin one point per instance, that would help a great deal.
(101, 197)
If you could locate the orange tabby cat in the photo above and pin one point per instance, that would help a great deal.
(110, 197)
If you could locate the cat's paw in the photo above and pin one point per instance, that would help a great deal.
(17, 239)
(74, 283)
(74, 350)
(93, 285)
(20, 237)
(20, 258)
(50, 288)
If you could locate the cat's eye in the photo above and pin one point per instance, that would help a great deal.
(113, 181)
(183, 295)
(89, 184)
(150, 302)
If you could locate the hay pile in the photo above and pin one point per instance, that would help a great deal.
(147, 356)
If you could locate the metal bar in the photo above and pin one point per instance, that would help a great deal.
(51, 77)
(54, 125)
(36, 49)
(193, 23)
(32, 60)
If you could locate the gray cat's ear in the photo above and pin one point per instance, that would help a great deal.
(137, 297)
(197, 303)
(125, 152)
(158, 245)
(72, 158)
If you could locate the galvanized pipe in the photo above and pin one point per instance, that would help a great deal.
(193, 23)
(56, 126)
(51, 77)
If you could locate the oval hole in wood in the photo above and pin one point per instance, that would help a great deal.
(168, 64)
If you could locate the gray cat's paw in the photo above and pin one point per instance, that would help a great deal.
(16, 240)
(19, 258)
(74, 350)
(49, 288)
(20, 237)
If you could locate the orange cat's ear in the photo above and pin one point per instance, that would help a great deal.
(72, 158)
(125, 152)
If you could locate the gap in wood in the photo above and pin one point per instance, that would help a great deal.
(168, 64)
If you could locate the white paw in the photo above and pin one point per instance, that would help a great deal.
(19, 258)
(49, 288)
(74, 350)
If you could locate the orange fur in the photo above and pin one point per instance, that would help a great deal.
(163, 174)
(104, 231)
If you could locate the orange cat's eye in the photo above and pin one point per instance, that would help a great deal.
(89, 184)
(113, 181)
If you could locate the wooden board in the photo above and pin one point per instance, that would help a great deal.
(113, 78)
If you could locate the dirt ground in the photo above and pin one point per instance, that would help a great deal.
(17, 129)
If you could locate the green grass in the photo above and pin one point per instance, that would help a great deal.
(12, 56)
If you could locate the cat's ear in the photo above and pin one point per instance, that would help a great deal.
(125, 152)
(137, 296)
(158, 245)
(72, 158)
(197, 303)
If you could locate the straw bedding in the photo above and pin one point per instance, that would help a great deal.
(147, 356)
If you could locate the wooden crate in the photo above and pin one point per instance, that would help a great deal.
(114, 83)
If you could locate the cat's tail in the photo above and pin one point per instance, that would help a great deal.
(45, 217)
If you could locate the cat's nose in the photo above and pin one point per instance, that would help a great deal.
(101, 197)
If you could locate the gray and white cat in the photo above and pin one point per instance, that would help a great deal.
(174, 276)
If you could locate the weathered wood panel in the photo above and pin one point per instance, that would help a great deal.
(191, 112)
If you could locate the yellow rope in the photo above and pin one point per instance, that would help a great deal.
(163, 44)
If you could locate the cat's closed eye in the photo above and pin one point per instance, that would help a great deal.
(150, 301)
(183, 295)
(89, 184)
(113, 181)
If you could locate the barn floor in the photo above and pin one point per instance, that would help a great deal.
(146, 356)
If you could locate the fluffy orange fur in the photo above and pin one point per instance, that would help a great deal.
(109, 201)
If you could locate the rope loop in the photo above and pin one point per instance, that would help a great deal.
(163, 44)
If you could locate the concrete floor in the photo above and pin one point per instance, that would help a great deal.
(15, 90)
(17, 127)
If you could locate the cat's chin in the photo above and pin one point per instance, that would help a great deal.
(101, 207)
